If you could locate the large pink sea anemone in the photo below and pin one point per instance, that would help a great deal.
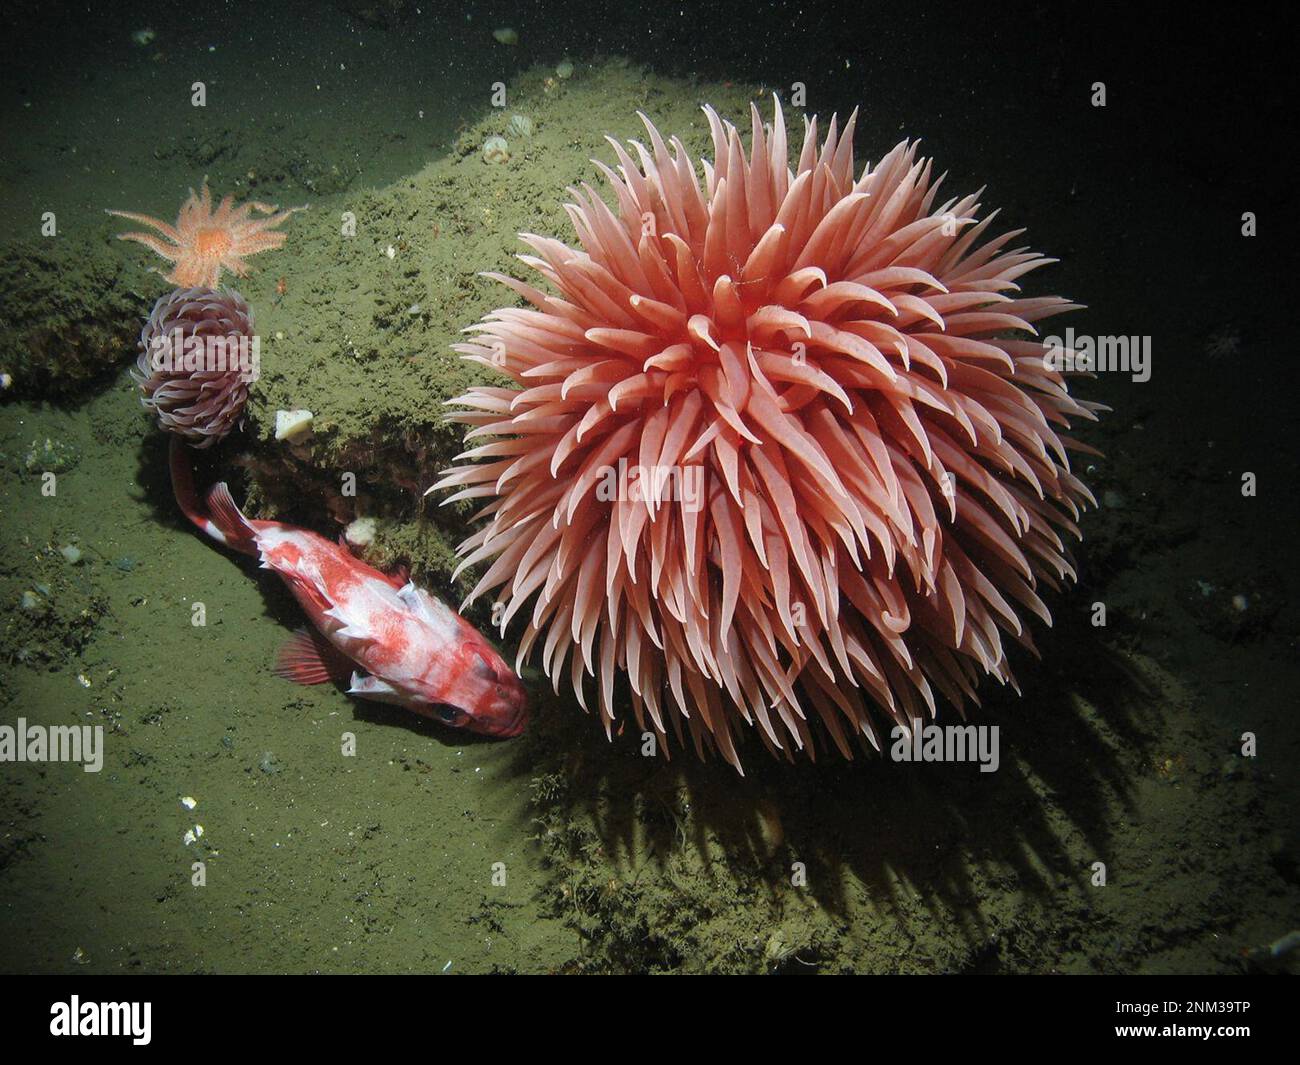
(198, 353)
(853, 473)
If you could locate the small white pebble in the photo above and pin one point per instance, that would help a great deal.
(189, 802)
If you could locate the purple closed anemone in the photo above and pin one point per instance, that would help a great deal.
(198, 354)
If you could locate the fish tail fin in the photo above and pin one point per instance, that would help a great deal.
(227, 522)
(219, 517)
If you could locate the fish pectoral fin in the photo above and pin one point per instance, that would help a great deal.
(308, 658)
(373, 688)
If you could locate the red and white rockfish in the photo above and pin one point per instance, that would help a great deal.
(414, 650)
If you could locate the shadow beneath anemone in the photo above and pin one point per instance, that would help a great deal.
(153, 476)
(651, 847)
(154, 479)
(669, 864)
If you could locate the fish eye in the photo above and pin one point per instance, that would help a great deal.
(448, 715)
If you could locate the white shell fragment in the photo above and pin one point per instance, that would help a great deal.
(189, 802)
(292, 425)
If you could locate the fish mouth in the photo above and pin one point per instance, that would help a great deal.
(516, 723)
(501, 723)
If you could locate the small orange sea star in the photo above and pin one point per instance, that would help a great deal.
(204, 241)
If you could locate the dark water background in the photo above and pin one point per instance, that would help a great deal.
(1141, 201)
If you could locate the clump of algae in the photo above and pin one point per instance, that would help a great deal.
(70, 314)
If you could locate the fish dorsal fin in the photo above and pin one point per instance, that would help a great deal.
(353, 613)
(310, 585)
(308, 658)
(432, 609)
